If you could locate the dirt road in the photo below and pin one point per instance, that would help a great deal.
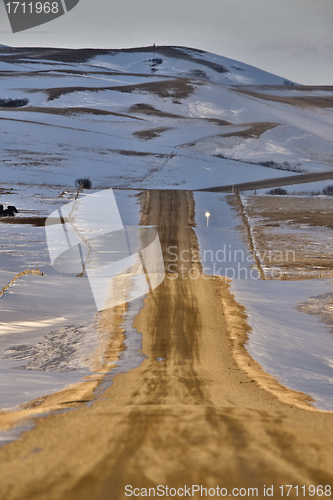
(188, 414)
(271, 183)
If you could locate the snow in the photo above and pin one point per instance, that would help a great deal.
(237, 73)
(4, 66)
(47, 341)
(286, 143)
(293, 346)
(48, 332)
(85, 143)
(23, 247)
(223, 250)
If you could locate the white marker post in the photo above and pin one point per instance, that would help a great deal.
(207, 214)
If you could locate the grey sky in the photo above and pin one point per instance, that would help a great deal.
(291, 38)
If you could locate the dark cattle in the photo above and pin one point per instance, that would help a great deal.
(9, 211)
(1, 210)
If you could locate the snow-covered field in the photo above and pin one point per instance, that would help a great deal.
(48, 329)
(291, 333)
(223, 248)
(47, 336)
(178, 118)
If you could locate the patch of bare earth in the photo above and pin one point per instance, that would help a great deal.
(130, 152)
(31, 221)
(151, 111)
(146, 135)
(146, 109)
(69, 111)
(176, 88)
(216, 121)
(293, 235)
(306, 101)
(251, 130)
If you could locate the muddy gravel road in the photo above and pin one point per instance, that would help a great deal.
(188, 415)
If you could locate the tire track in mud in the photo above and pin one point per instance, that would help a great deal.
(171, 313)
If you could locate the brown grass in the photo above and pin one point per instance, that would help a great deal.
(280, 230)
(313, 211)
(6, 191)
(252, 130)
(129, 152)
(146, 109)
(151, 111)
(176, 52)
(32, 221)
(217, 121)
(146, 135)
(291, 88)
(70, 111)
(18, 55)
(179, 88)
(307, 101)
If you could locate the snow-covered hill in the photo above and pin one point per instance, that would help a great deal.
(155, 117)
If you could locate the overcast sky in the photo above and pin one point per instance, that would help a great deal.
(290, 38)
